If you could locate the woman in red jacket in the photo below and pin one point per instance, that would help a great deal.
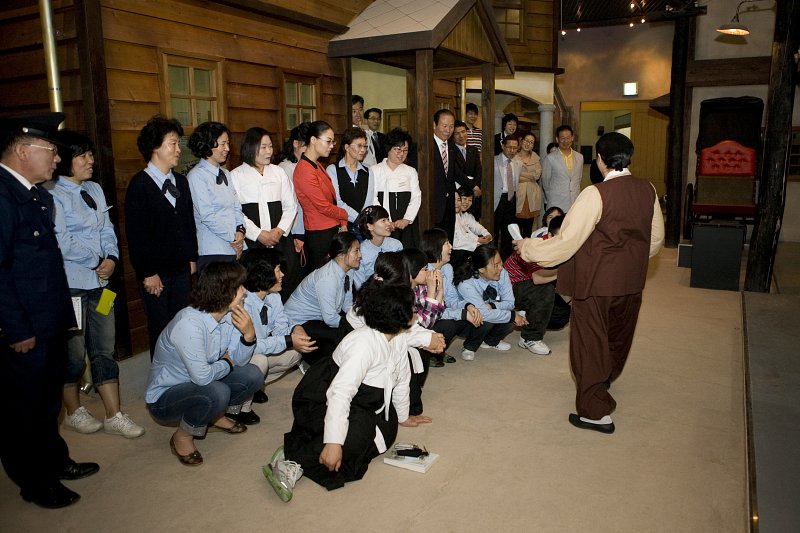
(322, 218)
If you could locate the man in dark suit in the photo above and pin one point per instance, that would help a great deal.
(471, 164)
(377, 143)
(35, 315)
(447, 172)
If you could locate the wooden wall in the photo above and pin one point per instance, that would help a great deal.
(538, 48)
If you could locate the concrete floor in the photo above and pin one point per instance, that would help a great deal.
(510, 461)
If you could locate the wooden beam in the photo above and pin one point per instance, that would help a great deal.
(487, 146)
(281, 13)
(727, 72)
(96, 110)
(777, 142)
(680, 57)
(423, 117)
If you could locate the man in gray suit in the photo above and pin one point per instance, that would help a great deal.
(562, 171)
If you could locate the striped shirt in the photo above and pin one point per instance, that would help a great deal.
(475, 137)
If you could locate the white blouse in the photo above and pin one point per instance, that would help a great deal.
(273, 185)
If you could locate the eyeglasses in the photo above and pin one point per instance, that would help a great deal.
(53, 150)
(331, 142)
(400, 150)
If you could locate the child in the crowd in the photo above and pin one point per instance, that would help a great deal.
(374, 224)
(549, 215)
(347, 407)
(278, 346)
(458, 314)
(469, 234)
(488, 287)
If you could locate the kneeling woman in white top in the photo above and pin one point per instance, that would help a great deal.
(347, 408)
(200, 368)
(486, 285)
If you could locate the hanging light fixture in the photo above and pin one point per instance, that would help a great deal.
(734, 27)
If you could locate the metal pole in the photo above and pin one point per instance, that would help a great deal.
(50, 57)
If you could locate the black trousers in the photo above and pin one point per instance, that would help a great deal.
(33, 453)
(504, 214)
(327, 338)
(317, 244)
(162, 308)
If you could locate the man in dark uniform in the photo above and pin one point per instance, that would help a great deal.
(603, 248)
(35, 315)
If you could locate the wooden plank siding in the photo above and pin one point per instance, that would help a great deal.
(537, 48)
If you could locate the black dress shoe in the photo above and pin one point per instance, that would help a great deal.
(260, 397)
(75, 470)
(248, 418)
(53, 497)
(576, 421)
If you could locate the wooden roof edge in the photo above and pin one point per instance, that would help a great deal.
(286, 15)
(380, 44)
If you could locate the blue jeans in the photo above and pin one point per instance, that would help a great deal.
(97, 336)
(194, 406)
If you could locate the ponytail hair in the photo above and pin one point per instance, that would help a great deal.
(390, 269)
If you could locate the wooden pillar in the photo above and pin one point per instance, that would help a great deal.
(487, 148)
(777, 140)
(423, 120)
(97, 114)
(677, 127)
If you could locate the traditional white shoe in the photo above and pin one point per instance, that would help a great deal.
(121, 424)
(467, 355)
(282, 474)
(502, 346)
(537, 347)
(82, 421)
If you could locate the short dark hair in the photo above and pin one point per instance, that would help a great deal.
(508, 117)
(316, 129)
(70, 145)
(388, 310)
(554, 209)
(373, 110)
(459, 124)
(415, 260)
(512, 137)
(615, 149)
(438, 115)
(397, 138)
(298, 133)
(370, 215)
(204, 138)
(550, 147)
(471, 107)
(153, 133)
(465, 192)
(216, 286)
(564, 127)
(479, 259)
(555, 225)
(432, 243)
(390, 269)
(350, 135)
(251, 143)
(260, 264)
(340, 244)
(356, 99)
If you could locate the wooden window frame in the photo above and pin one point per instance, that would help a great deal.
(302, 79)
(519, 6)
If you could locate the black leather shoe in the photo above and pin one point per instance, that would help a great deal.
(235, 429)
(75, 470)
(52, 497)
(248, 418)
(260, 397)
(576, 421)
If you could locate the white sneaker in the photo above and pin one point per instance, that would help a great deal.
(467, 355)
(121, 424)
(502, 346)
(537, 347)
(82, 421)
(282, 474)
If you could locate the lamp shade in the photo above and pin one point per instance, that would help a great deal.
(734, 28)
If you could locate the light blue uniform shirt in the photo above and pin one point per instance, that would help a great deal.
(189, 348)
(217, 210)
(320, 296)
(454, 309)
(272, 337)
(352, 214)
(472, 291)
(159, 178)
(85, 235)
(369, 254)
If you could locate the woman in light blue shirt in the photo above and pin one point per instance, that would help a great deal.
(374, 224)
(324, 296)
(89, 247)
(487, 287)
(201, 365)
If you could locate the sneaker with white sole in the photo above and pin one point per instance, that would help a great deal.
(121, 424)
(502, 346)
(537, 347)
(467, 355)
(82, 421)
(282, 474)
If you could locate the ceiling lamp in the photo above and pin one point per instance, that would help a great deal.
(735, 27)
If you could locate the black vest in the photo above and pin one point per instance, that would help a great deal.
(353, 195)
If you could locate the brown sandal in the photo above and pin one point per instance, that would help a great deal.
(192, 459)
(236, 428)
